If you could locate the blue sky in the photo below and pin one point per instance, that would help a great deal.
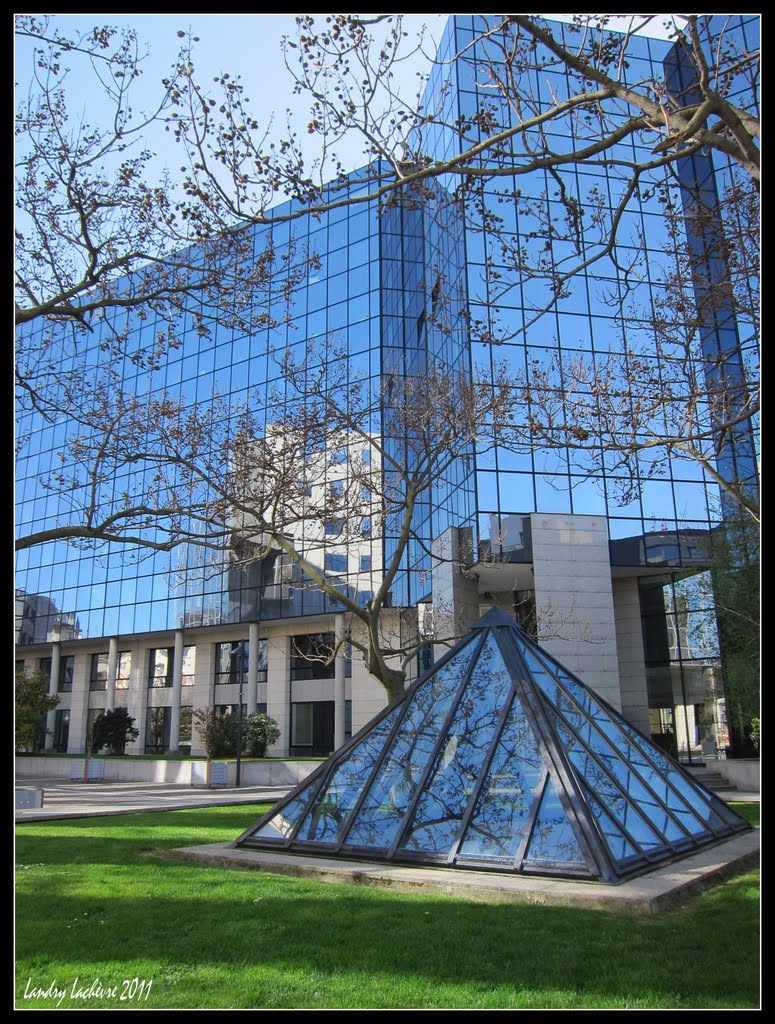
(248, 45)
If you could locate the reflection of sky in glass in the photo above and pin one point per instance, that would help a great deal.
(552, 839)
(447, 792)
(699, 802)
(610, 761)
(332, 806)
(281, 825)
(504, 805)
(380, 815)
(692, 624)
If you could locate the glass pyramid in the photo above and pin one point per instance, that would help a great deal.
(499, 759)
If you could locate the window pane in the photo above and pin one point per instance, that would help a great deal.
(385, 805)
(459, 761)
(514, 781)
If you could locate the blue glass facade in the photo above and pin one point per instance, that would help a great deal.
(397, 287)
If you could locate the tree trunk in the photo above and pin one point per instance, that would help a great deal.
(392, 679)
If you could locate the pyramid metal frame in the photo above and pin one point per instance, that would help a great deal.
(591, 827)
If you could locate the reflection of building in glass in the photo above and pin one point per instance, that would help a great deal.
(604, 576)
(38, 620)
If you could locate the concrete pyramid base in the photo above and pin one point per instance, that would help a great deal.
(650, 893)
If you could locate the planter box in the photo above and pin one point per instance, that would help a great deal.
(135, 769)
(742, 773)
(208, 773)
(89, 769)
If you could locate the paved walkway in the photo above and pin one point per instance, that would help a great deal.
(65, 799)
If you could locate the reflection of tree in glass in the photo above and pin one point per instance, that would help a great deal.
(331, 808)
(617, 763)
(441, 807)
(282, 823)
(553, 839)
(618, 844)
(623, 812)
(514, 780)
(602, 734)
(385, 804)
(699, 807)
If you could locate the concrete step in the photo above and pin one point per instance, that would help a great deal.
(708, 778)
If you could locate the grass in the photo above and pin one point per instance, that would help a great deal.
(96, 907)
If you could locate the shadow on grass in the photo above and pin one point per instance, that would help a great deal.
(210, 916)
(119, 839)
(90, 897)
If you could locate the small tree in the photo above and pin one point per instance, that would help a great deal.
(32, 705)
(259, 731)
(113, 729)
(736, 584)
(212, 727)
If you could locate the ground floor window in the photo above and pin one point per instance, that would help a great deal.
(91, 717)
(61, 730)
(123, 670)
(312, 727)
(98, 679)
(189, 666)
(66, 671)
(184, 731)
(160, 662)
(157, 730)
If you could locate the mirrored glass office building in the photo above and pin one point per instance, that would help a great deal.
(609, 578)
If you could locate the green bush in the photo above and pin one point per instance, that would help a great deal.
(259, 731)
(113, 729)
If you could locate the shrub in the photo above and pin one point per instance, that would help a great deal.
(32, 704)
(259, 731)
(113, 729)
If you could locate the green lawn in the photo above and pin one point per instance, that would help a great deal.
(96, 910)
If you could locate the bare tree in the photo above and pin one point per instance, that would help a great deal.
(544, 102)
(323, 477)
(100, 244)
(104, 233)
(548, 100)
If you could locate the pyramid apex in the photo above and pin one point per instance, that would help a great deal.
(495, 617)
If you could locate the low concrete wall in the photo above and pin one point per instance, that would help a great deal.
(742, 773)
(28, 798)
(252, 773)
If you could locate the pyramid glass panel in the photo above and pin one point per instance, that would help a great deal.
(499, 758)
(508, 799)
(283, 821)
(710, 810)
(377, 823)
(460, 757)
(331, 808)
(610, 794)
(620, 846)
(553, 840)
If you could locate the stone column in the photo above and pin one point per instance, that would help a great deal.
(455, 595)
(339, 685)
(574, 598)
(79, 705)
(110, 696)
(252, 694)
(632, 659)
(278, 692)
(53, 686)
(137, 696)
(177, 682)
